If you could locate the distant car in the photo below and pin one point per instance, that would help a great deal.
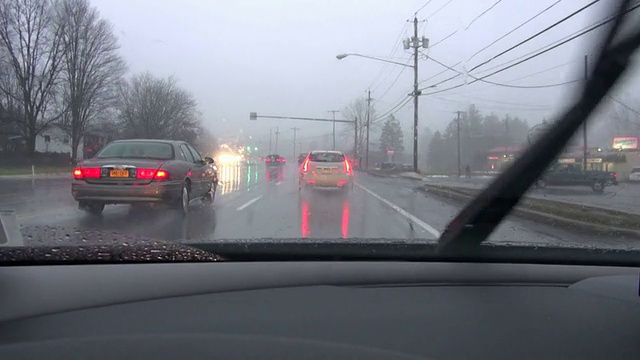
(274, 161)
(635, 174)
(326, 168)
(144, 171)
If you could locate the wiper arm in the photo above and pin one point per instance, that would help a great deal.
(479, 219)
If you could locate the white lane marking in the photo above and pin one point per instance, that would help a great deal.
(402, 212)
(248, 203)
(278, 183)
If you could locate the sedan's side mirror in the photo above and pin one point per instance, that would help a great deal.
(208, 160)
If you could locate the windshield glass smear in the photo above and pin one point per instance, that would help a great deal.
(149, 124)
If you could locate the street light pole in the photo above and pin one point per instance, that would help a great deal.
(414, 42)
(366, 155)
(585, 150)
(415, 94)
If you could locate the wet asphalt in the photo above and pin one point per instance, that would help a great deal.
(255, 203)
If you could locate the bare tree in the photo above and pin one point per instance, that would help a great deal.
(30, 40)
(91, 66)
(157, 108)
(357, 109)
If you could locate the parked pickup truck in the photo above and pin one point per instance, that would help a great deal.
(573, 175)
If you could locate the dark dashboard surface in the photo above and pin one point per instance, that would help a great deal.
(313, 310)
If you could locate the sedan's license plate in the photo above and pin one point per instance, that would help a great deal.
(119, 173)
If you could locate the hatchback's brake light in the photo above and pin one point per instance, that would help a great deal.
(347, 166)
(305, 165)
(80, 173)
(615, 175)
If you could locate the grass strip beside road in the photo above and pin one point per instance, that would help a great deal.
(24, 170)
(576, 217)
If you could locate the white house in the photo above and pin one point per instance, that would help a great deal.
(54, 139)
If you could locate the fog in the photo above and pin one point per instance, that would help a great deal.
(278, 57)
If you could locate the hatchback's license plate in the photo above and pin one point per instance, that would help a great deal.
(119, 173)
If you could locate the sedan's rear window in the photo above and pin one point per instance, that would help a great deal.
(635, 170)
(137, 150)
(326, 157)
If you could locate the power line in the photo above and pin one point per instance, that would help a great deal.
(393, 83)
(445, 38)
(537, 34)
(597, 23)
(393, 51)
(539, 53)
(482, 14)
(624, 105)
(526, 40)
(515, 29)
(506, 103)
(437, 11)
(394, 109)
(506, 85)
(422, 7)
(542, 71)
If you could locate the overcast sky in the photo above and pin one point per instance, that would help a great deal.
(278, 57)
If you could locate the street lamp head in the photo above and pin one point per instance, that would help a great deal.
(341, 56)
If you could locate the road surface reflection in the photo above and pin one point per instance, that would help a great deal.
(324, 213)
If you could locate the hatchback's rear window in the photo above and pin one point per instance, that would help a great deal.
(635, 170)
(326, 157)
(137, 150)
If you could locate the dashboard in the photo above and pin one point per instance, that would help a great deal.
(319, 310)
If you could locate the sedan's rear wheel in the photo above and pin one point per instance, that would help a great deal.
(210, 196)
(93, 208)
(183, 203)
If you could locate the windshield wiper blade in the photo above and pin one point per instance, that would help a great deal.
(485, 212)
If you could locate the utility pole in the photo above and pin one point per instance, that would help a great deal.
(270, 136)
(458, 131)
(295, 131)
(355, 141)
(506, 134)
(416, 43)
(584, 126)
(366, 155)
(277, 133)
(334, 126)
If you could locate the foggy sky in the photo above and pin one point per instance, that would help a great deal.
(277, 57)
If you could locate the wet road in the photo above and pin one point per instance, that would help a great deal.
(253, 203)
(624, 197)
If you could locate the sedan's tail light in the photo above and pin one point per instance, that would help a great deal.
(80, 173)
(615, 175)
(149, 174)
(267, 160)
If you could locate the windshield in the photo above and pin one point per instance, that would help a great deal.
(137, 150)
(324, 123)
(326, 157)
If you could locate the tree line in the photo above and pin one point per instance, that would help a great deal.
(478, 134)
(60, 64)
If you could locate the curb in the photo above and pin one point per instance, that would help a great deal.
(540, 216)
